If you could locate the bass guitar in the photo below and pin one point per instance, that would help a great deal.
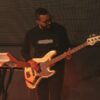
(33, 77)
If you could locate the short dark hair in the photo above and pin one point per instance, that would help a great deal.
(40, 11)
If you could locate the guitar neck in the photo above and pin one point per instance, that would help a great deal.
(64, 55)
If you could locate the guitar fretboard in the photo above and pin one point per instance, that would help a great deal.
(64, 55)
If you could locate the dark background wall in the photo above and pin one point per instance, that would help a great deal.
(81, 18)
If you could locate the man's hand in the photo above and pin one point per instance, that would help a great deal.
(68, 54)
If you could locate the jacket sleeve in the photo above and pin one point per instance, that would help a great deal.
(26, 48)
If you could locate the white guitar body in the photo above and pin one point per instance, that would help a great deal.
(32, 77)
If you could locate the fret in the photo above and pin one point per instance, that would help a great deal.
(64, 55)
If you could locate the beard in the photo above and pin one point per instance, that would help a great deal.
(48, 26)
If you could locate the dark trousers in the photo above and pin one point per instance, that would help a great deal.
(51, 88)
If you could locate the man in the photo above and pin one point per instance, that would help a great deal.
(44, 37)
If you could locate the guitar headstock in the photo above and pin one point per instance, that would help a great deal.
(92, 40)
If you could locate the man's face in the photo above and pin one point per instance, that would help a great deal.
(44, 21)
